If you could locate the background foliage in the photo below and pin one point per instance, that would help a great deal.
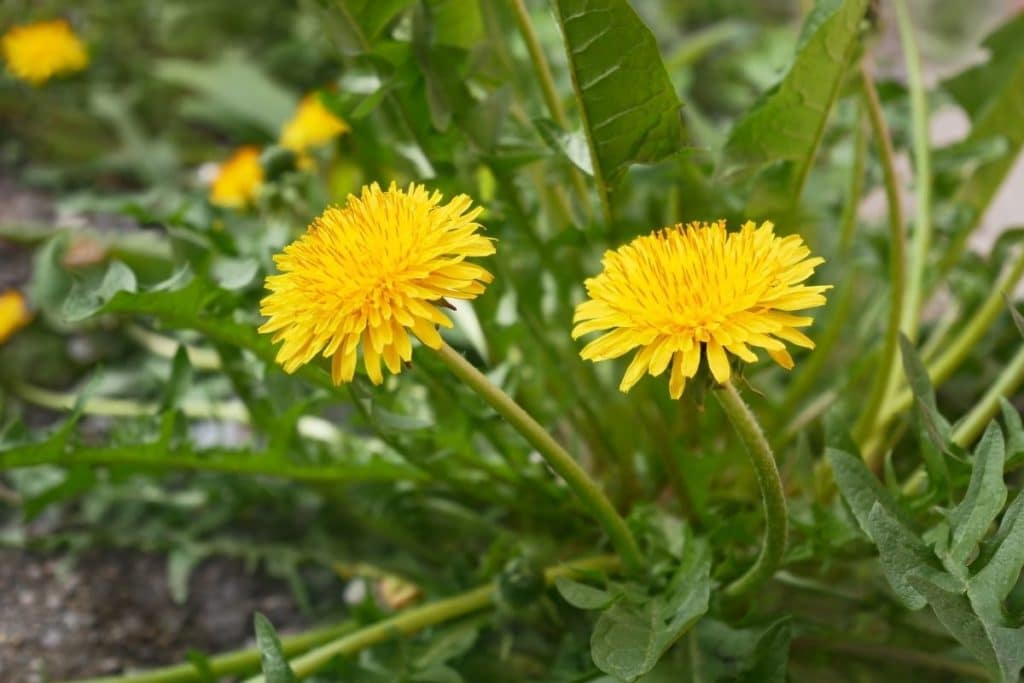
(578, 124)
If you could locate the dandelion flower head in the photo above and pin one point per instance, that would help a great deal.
(682, 294)
(37, 52)
(14, 313)
(238, 179)
(368, 273)
(312, 125)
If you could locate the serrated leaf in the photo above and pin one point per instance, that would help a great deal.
(985, 497)
(631, 113)
(632, 635)
(989, 587)
(582, 596)
(788, 123)
(861, 489)
(999, 648)
(901, 553)
(272, 660)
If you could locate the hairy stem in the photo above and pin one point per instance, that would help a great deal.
(773, 497)
(589, 493)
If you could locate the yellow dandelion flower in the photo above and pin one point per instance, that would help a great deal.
(368, 273)
(37, 52)
(312, 125)
(14, 313)
(238, 179)
(681, 294)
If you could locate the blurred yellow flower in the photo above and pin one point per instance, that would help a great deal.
(37, 52)
(368, 273)
(238, 179)
(312, 125)
(14, 313)
(683, 293)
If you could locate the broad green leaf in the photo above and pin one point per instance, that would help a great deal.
(272, 660)
(933, 429)
(632, 635)
(234, 85)
(630, 110)
(985, 497)
(788, 123)
(992, 93)
(902, 552)
(990, 586)
(582, 596)
(999, 648)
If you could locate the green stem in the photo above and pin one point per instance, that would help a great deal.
(957, 351)
(230, 663)
(885, 374)
(773, 497)
(560, 461)
(1009, 380)
(420, 618)
(542, 69)
(922, 172)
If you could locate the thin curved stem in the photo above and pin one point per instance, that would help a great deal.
(557, 457)
(885, 374)
(922, 172)
(420, 618)
(773, 497)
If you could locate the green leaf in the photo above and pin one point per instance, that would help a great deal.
(233, 85)
(572, 146)
(999, 648)
(179, 381)
(1014, 430)
(861, 489)
(901, 553)
(992, 93)
(630, 110)
(788, 123)
(752, 655)
(272, 660)
(180, 563)
(632, 634)
(989, 587)
(582, 596)
(985, 497)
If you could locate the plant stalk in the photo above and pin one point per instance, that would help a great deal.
(922, 172)
(589, 493)
(886, 372)
(773, 497)
(419, 618)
